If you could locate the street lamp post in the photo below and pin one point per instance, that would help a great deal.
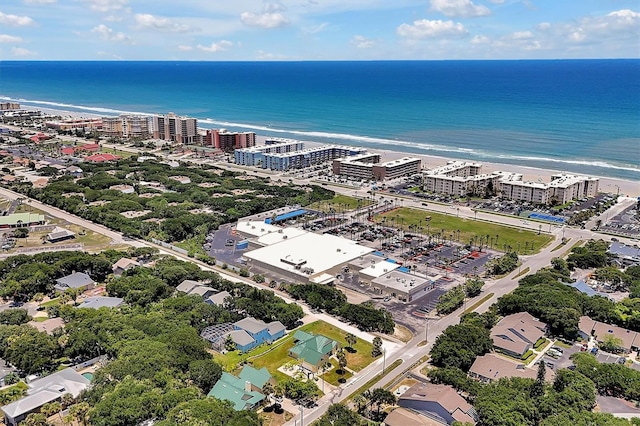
(384, 359)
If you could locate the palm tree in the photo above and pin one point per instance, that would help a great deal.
(360, 401)
(351, 339)
(79, 411)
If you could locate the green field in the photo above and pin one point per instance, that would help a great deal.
(274, 356)
(463, 230)
(339, 204)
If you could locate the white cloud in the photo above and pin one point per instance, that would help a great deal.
(185, 48)
(522, 35)
(15, 20)
(465, 8)
(107, 5)
(362, 42)
(148, 21)
(315, 29)
(267, 56)
(273, 7)
(264, 20)
(6, 38)
(220, 46)
(497, 1)
(480, 39)
(426, 28)
(39, 1)
(107, 33)
(19, 51)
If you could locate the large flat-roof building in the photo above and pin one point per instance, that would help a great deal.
(126, 126)
(307, 257)
(401, 285)
(229, 141)
(75, 123)
(368, 166)
(174, 128)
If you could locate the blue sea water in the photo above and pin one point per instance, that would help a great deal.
(570, 115)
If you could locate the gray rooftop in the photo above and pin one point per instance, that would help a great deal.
(251, 325)
(187, 285)
(241, 337)
(219, 298)
(75, 280)
(202, 290)
(98, 302)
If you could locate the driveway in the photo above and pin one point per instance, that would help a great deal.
(616, 406)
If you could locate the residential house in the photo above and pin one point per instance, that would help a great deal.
(60, 234)
(405, 417)
(629, 340)
(45, 390)
(122, 265)
(516, 334)
(181, 179)
(312, 350)
(438, 402)
(77, 280)
(490, 367)
(75, 171)
(125, 189)
(244, 392)
(98, 302)
(219, 299)
(102, 158)
(258, 332)
(187, 285)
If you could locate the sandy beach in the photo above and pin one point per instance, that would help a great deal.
(612, 185)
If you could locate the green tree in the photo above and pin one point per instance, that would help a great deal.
(611, 343)
(204, 373)
(537, 390)
(36, 419)
(339, 415)
(376, 351)
(473, 286)
(229, 344)
(79, 412)
(351, 339)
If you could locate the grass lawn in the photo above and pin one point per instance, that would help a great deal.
(193, 245)
(273, 419)
(340, 203)
(541, 344)
(52, 302)
(333, 377)
(118, 152)
(274, 356)
(469, 228)
(40, 319)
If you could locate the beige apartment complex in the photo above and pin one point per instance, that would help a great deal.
(126, 126)
(368, 166)
(174, 128)
(459, 178)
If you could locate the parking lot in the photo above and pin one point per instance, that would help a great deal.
(562, 361)
(626, 223)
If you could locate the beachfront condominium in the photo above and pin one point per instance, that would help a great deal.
(254, 156)
(126, 126)
(174, 128)
(285, 154)
(562, 189)
(461, 179)
(229, 141)
(9, 106)
(367, 166)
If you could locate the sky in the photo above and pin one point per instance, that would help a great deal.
(295, 30)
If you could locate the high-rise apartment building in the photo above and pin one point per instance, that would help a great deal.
(229, 141)
(175, 128)
(126, 126)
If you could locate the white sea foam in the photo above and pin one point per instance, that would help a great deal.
(367, 140)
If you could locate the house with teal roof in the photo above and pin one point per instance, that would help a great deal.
(312, 350)
(244, 392)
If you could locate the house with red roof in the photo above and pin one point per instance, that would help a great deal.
(102, 157)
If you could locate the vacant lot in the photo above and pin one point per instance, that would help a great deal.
(463, 229)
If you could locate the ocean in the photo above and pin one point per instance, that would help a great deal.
(571, 115)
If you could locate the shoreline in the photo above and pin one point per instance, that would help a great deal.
(624, 187)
